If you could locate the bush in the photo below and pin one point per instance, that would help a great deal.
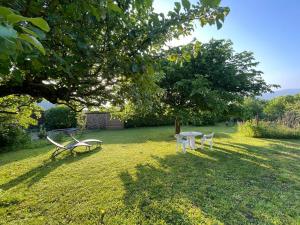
(42, 132)
(60, 117)
(12, 135)
(149, 120)
(163, 120)
(268, 130)
(202, 119)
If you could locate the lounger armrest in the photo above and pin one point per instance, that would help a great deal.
(81, 144)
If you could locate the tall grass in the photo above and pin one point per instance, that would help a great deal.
(266, 129)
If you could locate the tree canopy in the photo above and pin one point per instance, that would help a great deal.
(97, 51)
(276, 108)
(213, 78)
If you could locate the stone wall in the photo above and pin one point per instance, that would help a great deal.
(102, 120)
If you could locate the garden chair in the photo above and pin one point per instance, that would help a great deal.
(181, 141)
(60, 148)
(88, 141)
(209, 138)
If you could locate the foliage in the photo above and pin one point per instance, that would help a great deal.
(16, 114)
(268, 130)
(291, 119)
(149, 120)
(276, 108)
(100, 51)
(202, 118)
(60, 117)
(139, 178)
(161, 118)
(81, 120)
(252, 107)
(42, 132)
(12, 135)
(210, 78)
(18, 34)
(19, 110)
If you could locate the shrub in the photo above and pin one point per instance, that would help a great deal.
(202, 119)
(42, 132)
(268, 130)
(149, 120)
(12, 135)
(60, 117)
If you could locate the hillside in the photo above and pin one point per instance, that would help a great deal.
(282, 92)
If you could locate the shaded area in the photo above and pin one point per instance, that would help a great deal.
(252, 186)
(156, 134)
(37, 173)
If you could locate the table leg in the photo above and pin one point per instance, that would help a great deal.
(192, 142)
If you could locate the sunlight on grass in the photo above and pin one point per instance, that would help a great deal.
(139, 178)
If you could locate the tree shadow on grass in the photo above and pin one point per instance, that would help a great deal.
(18, 155)
(217, 185)
(37, 173)
(154, 134)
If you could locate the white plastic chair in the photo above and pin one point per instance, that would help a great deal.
(209, 138)
(181, 141)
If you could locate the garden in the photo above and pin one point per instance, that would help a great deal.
(139, 178)
(139, 131)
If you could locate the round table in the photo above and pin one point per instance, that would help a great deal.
(190, 135)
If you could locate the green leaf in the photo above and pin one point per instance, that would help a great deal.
(226, 11)
(113, 7)
(40, 23)
(95, 12)
(186, 4)
(7, 32)
(211, 3)
(32, 40)
(219, 24)
(26, 30)
(203, 21)
(5, 11)
(177, 7)
(14, 18)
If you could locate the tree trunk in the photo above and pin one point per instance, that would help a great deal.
(177, 125)
(257, 119)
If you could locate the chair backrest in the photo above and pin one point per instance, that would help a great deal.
(74, 138)
(208, 136)
(55, 143)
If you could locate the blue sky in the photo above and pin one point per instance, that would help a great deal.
(269, 28)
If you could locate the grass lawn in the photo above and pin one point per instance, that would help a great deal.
(139, 178)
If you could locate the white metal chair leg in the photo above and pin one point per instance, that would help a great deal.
(202, 143)
(183, 148)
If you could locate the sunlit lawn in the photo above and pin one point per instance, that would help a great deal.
(139, 178)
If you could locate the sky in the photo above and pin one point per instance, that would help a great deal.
(269, 28)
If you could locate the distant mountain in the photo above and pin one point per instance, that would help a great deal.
(46, 104)
(282, 92)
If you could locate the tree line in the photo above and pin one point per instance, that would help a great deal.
(88, 53)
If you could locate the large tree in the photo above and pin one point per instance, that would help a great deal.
(98, 51)
(209, 78)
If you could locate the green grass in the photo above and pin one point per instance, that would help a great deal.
(139, 178)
